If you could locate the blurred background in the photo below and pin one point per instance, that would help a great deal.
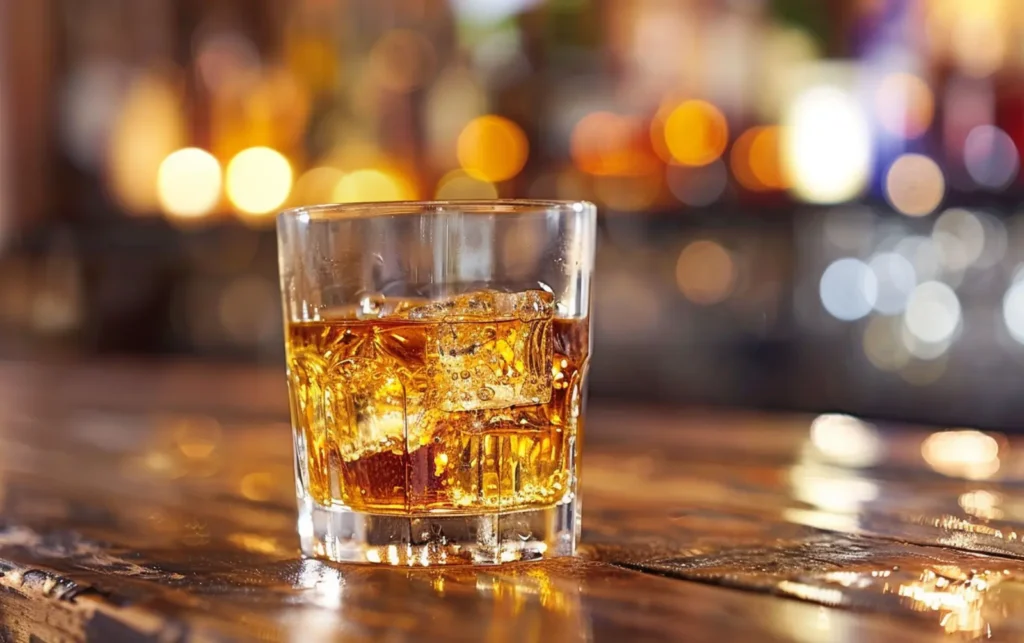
(804, 204)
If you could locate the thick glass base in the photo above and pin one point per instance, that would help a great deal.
(344, 535)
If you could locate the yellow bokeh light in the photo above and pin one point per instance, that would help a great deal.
(965, 453)
(695, 133)
(905, 105)
(189, 183)
(368, 185)
(705, 272)
(148, 128)
(492, 148)
(915, 185)
(316, 186)
(459, 185)
(259, 180)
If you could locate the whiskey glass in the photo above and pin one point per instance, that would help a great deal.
(437, 358)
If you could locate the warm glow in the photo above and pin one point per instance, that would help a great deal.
(739, 160)
(259, 180)
(962, 454)
(756, 159)
(705, 272)
(628, 193)
(826, 146)
(459, 185)
(915, 185)
(402, 60)
(370, 185)
(846, 440)
(695, 133)
(316, 186)
(905, 105)
(148, 128)
(607, 144)
(492, 148)
(189, 183)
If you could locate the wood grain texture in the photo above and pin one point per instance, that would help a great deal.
(156, 503)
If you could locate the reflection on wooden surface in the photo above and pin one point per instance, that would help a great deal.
(151, 503)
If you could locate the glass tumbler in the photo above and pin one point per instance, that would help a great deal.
(437, 358)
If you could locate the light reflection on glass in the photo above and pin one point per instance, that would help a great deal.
(965, 454)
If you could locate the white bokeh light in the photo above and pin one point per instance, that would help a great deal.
(896, 280)
(960, 236)
(1013, 311)
(848, 289)
(826, 146)
(933, 313)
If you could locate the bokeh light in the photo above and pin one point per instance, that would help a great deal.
(756, 159)
(460, 185)
(991, 157)
(316, 186)
(960, 237)
(962, 454)
(695, 133)
(905, 105)
(846, 440)
(402, 60)
(627, 193)
(258, 180)
(1013, 310)
(884, 345)
(492, 148)
(933, 313)
(896, 280)
(697, 186)
(914, 185)
(368, 185)
(189, 183)
(705, 272)
(826, 146)
(848, 289)
(608, 144)
(148, 128)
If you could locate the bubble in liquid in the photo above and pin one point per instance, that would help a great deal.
(371, 306)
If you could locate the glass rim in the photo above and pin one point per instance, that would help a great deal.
(476, 207)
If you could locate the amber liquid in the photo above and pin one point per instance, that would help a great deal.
(466, 406)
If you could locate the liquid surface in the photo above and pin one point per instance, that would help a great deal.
(466, 405)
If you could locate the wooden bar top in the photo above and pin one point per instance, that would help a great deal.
(154, 502)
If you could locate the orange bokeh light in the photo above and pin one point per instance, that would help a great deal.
(695, 133)
(608, 144)
(492, 148)
(756, 159)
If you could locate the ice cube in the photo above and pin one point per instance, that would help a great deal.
(366, 408)
(492, 350)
